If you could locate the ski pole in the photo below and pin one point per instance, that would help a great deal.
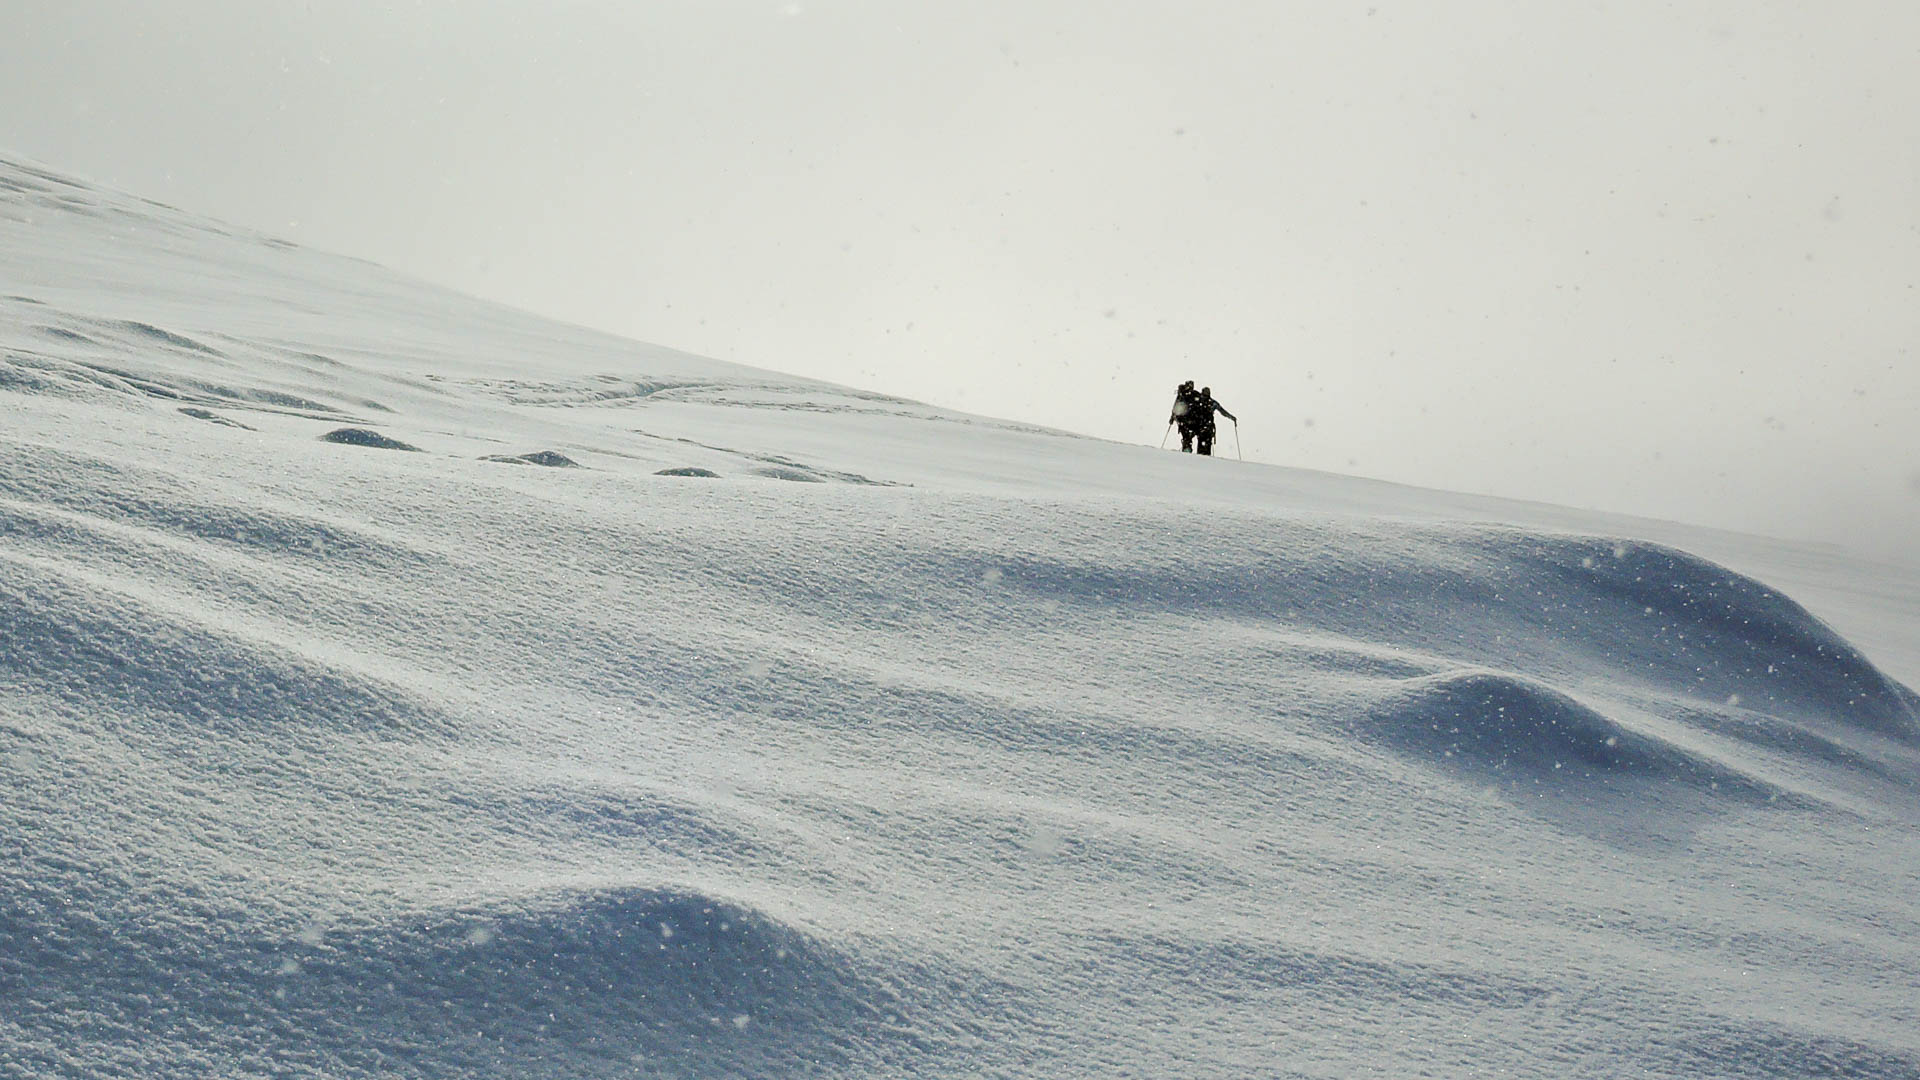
(1169, 431)
(1236, 441)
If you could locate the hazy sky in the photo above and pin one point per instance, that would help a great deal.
(1654, 257)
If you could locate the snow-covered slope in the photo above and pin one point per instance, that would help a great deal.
(392, 684)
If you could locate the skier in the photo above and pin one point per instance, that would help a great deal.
(1201, 413)
(1186, 413)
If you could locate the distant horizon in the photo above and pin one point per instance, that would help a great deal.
(1227, 447)
(1652, 261)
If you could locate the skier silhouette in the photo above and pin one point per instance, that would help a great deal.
(1201, 413)
(1186, 410)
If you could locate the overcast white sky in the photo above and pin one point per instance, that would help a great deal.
(1660, 258)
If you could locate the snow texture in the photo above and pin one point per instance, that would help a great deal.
(779, 729)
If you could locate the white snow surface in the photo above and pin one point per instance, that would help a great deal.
(393, 684)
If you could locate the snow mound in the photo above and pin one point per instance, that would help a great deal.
(352, 436)
(1492, 721)
(664, 981)
(1740, 640)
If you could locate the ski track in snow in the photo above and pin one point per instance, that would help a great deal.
(338, 743)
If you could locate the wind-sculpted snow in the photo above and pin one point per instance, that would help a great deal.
(656, 981)
(153, 335)
(1487, 720)
(980, 751)
(649, 982)
(91, 650)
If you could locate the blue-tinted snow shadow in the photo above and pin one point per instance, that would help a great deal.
(143, 664)
(664, 981)
(1693, 661)
(1651, 619)
(1562, 760)
(1510, 599)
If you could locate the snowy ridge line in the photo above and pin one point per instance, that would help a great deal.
(1747, 617)
(1584, 601)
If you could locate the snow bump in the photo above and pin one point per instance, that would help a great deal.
(1495, 722)
(608, 982)
(552, 459)
(356, 436)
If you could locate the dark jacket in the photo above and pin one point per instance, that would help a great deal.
(1200, 414)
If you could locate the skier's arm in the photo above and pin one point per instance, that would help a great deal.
(1225, 413)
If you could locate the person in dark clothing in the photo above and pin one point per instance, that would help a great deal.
(1202, 412)
(1186, 410)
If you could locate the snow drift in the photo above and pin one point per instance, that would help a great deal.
(775, 728)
